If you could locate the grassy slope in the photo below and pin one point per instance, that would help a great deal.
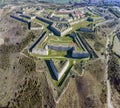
(86, 91)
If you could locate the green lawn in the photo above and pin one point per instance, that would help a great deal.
(57, 53)
(79, 25)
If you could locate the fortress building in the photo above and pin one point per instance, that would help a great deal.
(61, 29)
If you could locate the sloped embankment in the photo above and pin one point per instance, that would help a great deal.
(114, 76)
(34, 91)
(91, 87)
(87, 91)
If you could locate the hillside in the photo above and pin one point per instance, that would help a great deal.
(28, 79)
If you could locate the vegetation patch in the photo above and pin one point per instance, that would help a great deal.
(98, 46)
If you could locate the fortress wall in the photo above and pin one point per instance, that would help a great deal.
(58, 32)
(40, 51)
(44, 20)
(80, 42)
(60, 74)
(55, 30)
(20, 12)
(40, 39)
(57, 74)
(86, 30)
(60, 47)
(55, 71)
(66, 31)
(25, 16)
(19, 19)
(36, 28)
(80, 54)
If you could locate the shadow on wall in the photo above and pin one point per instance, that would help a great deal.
(50, 70)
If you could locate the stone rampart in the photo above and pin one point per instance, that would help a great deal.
(44, 20)
(80, 54)
(60, 47)
(19, 19)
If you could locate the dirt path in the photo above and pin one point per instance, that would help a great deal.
(109, 102)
